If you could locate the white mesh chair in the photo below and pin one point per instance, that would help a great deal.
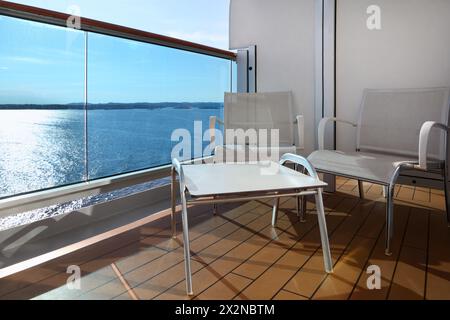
(271, 110)
(394, 132)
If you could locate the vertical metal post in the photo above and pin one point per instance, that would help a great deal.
(326, 75)
(86, 135)
(246, 70)
(252, 70)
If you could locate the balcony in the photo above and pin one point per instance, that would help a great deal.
(86, 139)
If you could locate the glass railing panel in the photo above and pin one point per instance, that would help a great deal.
(41, 106)
(139, 94)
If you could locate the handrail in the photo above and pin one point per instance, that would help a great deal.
(58, 18)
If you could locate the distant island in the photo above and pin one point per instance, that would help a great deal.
(114, 106)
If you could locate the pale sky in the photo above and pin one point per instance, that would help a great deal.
(202, 21)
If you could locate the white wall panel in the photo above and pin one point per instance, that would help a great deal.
(411, 50)
(284, 33)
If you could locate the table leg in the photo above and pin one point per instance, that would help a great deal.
(328, 263)
(276, 204)
(187, 249)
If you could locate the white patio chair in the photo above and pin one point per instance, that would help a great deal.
(270, 110)
(394, 132)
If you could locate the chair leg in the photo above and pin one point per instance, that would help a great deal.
(276, 204)
(173, 202)
(301, 208)
(186, 245)
(328, 263)
(389, 219)
(385, 192)
(447, 193)
(301, 203)
(361, 189)
(331, 181)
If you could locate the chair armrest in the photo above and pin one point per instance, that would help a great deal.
(298, 159)
(424, 140)
(322, 125)
(212, 126)
(300, 122)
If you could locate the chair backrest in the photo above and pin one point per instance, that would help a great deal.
(269, 110)
(390, 120)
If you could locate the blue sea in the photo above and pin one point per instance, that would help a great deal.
(41, 149)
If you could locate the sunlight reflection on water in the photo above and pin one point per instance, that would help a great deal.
(41, 149)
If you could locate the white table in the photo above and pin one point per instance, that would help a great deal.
(221, 183)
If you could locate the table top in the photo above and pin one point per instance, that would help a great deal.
(234, 178)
